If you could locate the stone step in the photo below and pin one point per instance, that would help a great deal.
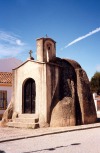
(23, 125)
(28, 116)
(26, 120)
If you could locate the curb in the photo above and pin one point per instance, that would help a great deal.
(71, 129)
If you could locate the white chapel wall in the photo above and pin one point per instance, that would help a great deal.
(36, 71)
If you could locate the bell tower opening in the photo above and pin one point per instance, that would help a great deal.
(46, 49)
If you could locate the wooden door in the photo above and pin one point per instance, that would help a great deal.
(29, 96)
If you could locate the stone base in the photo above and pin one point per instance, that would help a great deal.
(25, 121)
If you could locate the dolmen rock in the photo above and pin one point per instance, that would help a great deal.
(76, 105)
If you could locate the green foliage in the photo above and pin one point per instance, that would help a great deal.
(95, 83)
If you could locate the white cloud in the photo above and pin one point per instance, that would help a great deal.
(10, 38)
(83, 37)
(10, 44)
(98, 68)
(19, 42)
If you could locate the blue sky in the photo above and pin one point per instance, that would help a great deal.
(73, 24)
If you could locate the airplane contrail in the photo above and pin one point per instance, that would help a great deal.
(83, 37)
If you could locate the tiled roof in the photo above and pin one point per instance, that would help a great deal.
(5, 78)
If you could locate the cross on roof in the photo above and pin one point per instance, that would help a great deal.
(30, 52)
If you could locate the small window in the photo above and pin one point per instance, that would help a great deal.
(49, 48)
(3, 99)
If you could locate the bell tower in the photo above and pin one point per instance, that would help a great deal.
(46, 49)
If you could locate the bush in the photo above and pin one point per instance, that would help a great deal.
(95, 83)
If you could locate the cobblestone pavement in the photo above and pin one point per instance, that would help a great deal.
(8, 134)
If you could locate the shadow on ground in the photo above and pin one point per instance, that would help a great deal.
(98, 119)
(52, 149)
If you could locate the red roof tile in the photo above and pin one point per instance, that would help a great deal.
(5, 78)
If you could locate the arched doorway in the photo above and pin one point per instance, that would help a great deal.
(29, 96)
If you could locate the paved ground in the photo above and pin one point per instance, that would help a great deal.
(82, 141)
(44, 139)
(8, 134)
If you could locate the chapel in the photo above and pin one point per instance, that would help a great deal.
(50, 91)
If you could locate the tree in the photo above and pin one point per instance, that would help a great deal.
(95, 83)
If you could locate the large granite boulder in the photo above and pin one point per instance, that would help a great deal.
(63, 113)
(76, 105)
(87, 105)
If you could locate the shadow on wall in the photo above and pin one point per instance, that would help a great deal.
(1, 151)
(1, 116)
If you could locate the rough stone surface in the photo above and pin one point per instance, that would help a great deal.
(63, 113)
(85, 98)
(76, 104)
